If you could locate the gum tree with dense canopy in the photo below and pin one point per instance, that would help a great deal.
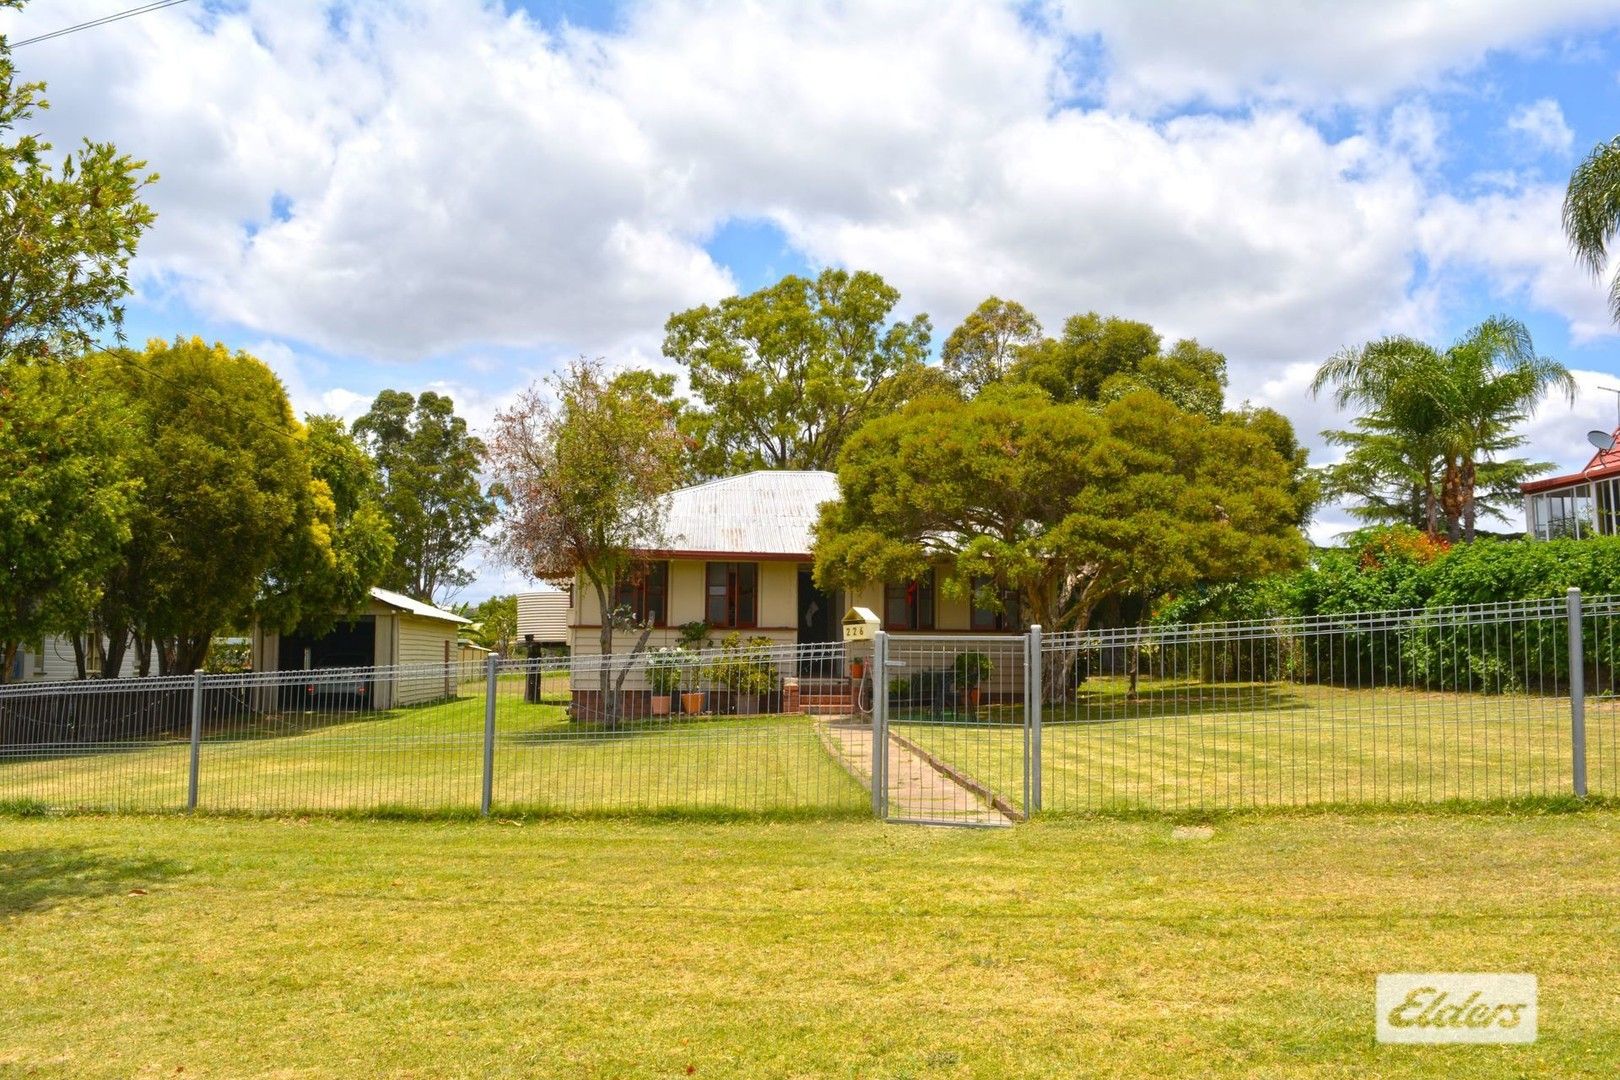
(784, 376)
(1068, 504)
(436, 505)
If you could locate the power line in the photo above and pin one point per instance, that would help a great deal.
(157, 5)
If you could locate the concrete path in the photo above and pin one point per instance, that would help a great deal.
(917, 790)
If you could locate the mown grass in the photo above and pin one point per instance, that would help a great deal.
(430, 758)
(217, 947)
(1173, 747)
(1186, 746)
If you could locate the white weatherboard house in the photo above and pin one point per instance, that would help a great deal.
(392, 629)
(542, 618)
(737, 556)
(52, 660)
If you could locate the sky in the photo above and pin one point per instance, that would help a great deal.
(461, 195)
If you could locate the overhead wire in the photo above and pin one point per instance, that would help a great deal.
(90, 24)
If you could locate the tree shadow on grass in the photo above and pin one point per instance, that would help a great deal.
(33, 879)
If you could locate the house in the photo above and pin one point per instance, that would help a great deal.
(737, 556)
(52, 660)
(542, 620)
(1581, 504)
(393, 630)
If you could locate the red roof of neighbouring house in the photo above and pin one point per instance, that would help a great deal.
(1604, 463)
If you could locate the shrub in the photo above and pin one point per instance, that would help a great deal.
(972, 668)
(665, 668)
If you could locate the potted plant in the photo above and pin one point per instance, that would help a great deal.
(972, 668)
(691, 683)
(745, 670)
(857, 669)
(664, 676)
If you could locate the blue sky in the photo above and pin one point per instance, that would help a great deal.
(459, 195)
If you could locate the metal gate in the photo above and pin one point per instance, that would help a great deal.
(955, 728)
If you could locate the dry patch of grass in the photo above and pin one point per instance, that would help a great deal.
(332, 948)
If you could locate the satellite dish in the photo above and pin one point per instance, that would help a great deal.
(1600, 439)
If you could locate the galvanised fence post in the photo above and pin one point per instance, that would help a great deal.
(196, 739)
(1577, 694)
(489, 737)
(880, 724)
(1032, 720)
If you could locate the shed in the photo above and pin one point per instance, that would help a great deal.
(392, 631)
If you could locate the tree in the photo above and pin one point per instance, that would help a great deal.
(1592, 212)
(1443, 418)
(494, 623)
(66, 233)
(1067, 504)
(341, 546)
(228, 507)
(431, 494)
(983, 349)
(582, 473)
(65, 504)
(1105, 358)
(785, 375)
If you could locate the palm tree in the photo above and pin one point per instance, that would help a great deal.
(1592, 211)
(1435, 422)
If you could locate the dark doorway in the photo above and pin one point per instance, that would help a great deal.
(819, 617)
(346, 645)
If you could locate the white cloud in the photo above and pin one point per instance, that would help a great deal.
(1229, 53)
(1514, 240)
(1542, 123)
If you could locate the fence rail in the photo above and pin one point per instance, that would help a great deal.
(1479, 702)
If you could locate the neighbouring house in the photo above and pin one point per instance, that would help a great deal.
(1581, 504)
(392, 630)
(542, 621)
(737, 556)
(52, 660)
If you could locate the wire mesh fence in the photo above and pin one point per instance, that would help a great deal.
(1469, 703)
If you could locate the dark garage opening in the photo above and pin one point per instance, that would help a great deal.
(346, 645)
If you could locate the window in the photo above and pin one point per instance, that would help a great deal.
(1005, 615)
(731, 595)
(645, 591)
(910, 605)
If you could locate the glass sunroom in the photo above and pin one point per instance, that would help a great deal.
(1583, 504)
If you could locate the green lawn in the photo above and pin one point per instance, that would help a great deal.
(226, 947)
(431, 758)
(1186, 745)
(1175, 746)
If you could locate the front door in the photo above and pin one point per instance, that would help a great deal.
(818, 613)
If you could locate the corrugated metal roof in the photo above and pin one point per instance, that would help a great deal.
(415, 607)
(757, 513)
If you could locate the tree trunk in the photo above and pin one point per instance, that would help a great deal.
(604, 673)
(1470, 508)
(8, 656)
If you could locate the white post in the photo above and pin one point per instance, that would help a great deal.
(488, 793)
(196, 739)
(1577, 694)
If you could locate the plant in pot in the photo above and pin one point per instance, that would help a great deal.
(972, 669)
(857, 669)
(691, 683)
(664, 676)
(745, 670)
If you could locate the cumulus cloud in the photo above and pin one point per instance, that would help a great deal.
(1228, 53)
(399, 181)
(1542, 123)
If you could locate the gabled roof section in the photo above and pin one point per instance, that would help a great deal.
(415, 607)
(767, 514)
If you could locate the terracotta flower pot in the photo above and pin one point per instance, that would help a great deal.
(857, 669)
(661, 704)
(692, 702)
(973, 696)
